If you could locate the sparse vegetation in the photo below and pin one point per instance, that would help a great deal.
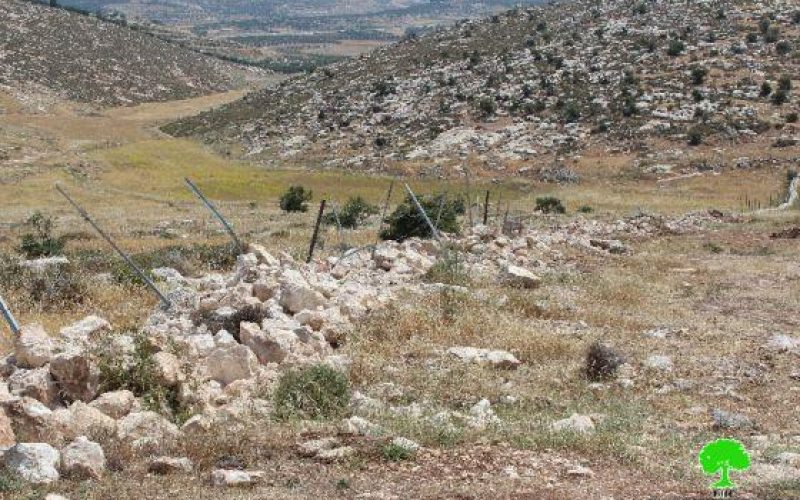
(312, 393)
(296, 199)
(41, 242)
(407, 222)
(550, 205)
(353, 213)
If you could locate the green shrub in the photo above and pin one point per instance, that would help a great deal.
(448, 269)
(406, 221)
(695, 137)
(353, 213)
(487, 106)
(295, 199)
(676, 48)
(139, 374)
(766, 89)
(699, 75)
(783, 47)
(396, 453)
(785, 83)
(41, 243)
(585, 209)
(312, 393)
(791, 117)
(780, 97)
(550, 205)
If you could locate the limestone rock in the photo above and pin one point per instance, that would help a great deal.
(7, 436)
(520, 277)
(76, 376)
(115, 404)
(37, 384)
(83, 459)
(575, 423)
(170, 465)
(236, 478)
(146, 427)
(33, 347)
(494, 358)
(296, 296)
(34, 462)
(82, 330)
(227, 364)
(168, 369)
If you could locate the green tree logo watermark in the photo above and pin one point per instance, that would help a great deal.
(722, 456)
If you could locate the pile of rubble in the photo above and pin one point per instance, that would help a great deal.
(222, 344)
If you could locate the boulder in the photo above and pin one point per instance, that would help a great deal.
(520, 277)
(146, 428)
(36, 384)
(659, 363)
(234, 478)
(34, 462)
(33, 347)
(76, 376)
(494, 358)
(230, 363)
(30, 419)
(115, 404)
(83, 459)
(406, 444)
(7, 436)
(169, 465)
(581, 424)
(84, 329)
(296, 296)
(86, 420)
(269, 347)
(167, 369)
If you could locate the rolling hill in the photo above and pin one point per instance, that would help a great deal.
(84, 59)
(533, 85)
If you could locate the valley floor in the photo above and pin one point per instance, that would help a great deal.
(719, 301)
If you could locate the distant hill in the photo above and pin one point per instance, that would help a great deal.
(535, 84)
(85, 59)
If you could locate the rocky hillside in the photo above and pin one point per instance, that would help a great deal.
(534, 84)
(88, 60)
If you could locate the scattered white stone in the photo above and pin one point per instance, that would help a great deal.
(115, 404)
(575, 423)
(521, 277)
(33, 347)
(235, 478)
(494, 358)
(659, 363)
(170, 465)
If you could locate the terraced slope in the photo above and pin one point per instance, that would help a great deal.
(88, 60)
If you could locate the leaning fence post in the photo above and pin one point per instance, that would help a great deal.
(486, 208)
(122, 254)
(383, 216)
(12, 323)
(216, 213)
(316, 232)
(441, 209)
(434, 231)
(469, 196)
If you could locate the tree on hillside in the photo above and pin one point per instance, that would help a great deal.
(722, 455)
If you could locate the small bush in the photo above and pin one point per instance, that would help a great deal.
(752, 38)
(56, 287)
(312, 393)
(406, 221)
(139, 374)
(791, 118)
(585, 209)
(296, 199)
(780, 97)
(676, 48)
(699, 75)
(41, 243)
(448, 269)
(487, 106)
(766, 89)
(785, 83)
(550, 205)
(601, 361)
(695, 137)
(396, 453)
(783, 47)
(353, 213)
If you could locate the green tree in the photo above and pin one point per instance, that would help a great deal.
(295, 199)
(720, 456)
